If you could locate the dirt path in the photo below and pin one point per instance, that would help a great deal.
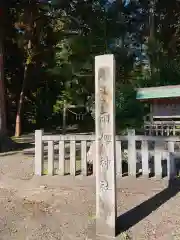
(35, 208)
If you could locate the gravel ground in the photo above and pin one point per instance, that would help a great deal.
(35, 208)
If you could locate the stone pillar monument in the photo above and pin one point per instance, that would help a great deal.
(106, 206)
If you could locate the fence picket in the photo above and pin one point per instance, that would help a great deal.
(145, 158)
(50, 157)
(73, 158)
(38, 153)
(157, 159)
(84, 158)
(131, 154)
(61, 158)
(118, 159)
(171, 168)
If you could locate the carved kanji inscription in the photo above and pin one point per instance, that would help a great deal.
(103, 186)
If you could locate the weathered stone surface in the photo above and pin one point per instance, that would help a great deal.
(105, 146)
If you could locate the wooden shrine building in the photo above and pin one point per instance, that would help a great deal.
(164, 114)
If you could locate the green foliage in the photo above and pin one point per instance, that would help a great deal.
(67, 35)
(129, 111)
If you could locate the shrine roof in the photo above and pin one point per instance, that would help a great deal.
(172, 91)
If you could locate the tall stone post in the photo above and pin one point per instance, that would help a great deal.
(106, 206)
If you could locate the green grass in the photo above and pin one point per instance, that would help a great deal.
(45, 172)
(124, 236)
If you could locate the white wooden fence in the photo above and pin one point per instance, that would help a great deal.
(162, 128)
(140, 151)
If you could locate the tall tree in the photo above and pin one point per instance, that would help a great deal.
(29, 23)
(3, 128)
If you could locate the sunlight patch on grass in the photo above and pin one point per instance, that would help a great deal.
(124, 236)
(45, 172)
(91, 216)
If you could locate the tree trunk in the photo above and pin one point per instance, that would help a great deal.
(3, 127)
(21, 98)
(6, 143)
(20, 105)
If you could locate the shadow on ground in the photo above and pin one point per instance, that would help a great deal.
(135, 215)
(9, 146)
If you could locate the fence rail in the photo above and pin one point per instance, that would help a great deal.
(145, 155)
